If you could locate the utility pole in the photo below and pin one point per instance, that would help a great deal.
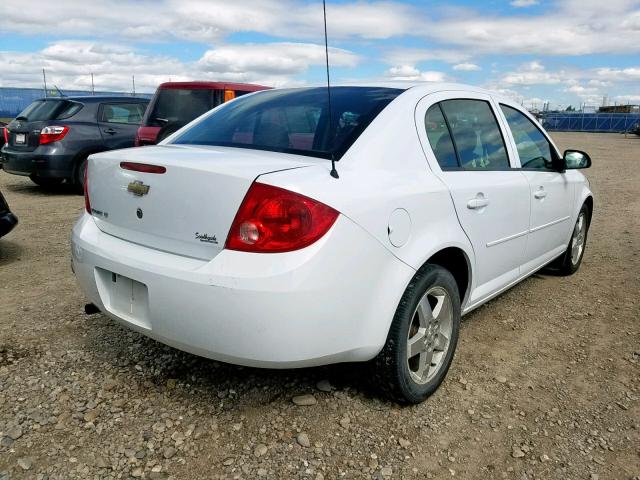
(44, 79)
(133, 80)
(93, 91)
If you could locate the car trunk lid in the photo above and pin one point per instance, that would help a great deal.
(188, 209)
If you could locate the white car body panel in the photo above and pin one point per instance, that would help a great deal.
(334, 300)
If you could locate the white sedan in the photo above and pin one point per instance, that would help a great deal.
(235, 239)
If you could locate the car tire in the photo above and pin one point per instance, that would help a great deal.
(569, 262)
(46, 182)
(78, 176)
(426, 323)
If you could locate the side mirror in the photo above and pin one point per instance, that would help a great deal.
(575, 159)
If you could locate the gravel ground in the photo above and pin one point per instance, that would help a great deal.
(545, 383)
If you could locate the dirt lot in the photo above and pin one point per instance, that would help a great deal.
(545, 383)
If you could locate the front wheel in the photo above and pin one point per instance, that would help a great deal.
(570, 261)
(422, 338)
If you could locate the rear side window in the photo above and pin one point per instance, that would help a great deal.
(533, 147)
(69, 110)
(49, 110)
(439, 138)
(476, 135)
(293, 121)
(128, 113)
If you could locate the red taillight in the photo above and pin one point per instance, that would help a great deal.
(52, 134)
(142, 167)
(6, 134)
(87, 203)
(272, 220)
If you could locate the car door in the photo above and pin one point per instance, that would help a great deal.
(491, 198)
(119, 122)
(551, 192)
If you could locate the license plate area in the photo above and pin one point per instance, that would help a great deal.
(124, 297)
(20, 138)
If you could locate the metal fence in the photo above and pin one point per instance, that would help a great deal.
(590, 122)
(14, 100)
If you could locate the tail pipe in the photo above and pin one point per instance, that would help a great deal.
(91, 309)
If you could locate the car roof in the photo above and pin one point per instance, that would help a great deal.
(97, 98)
(418, 87)
(248, 87)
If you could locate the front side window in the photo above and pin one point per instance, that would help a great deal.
(128, 113)
(439, 138)
(293, 121)
(534, 149)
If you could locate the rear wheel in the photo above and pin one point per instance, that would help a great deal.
(46, 182)
(422, 338)
(78, 176)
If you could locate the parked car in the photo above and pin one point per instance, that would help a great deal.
(51, 139)
(177, 103)
(7, 219)
(234, 242)
(3, 134)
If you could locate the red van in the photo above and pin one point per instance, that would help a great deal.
(177, 103)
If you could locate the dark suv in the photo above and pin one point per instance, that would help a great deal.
(52, 138)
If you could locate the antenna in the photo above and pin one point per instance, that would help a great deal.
(334, 172)
(59, 91)
(44, 79)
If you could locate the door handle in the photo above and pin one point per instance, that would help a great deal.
(478, 202)
(540, 193)
(110, 131)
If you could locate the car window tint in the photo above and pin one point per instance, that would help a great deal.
(181, 105)
(476, 135)
(293, 120)
(129, 113)
(440, 138)
(534, 149)
(69, 110)
(43, 110)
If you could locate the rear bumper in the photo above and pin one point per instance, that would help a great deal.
(7, 222)
(37, 163)
(330, 302)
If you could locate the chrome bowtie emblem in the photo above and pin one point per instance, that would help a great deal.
(138, 188)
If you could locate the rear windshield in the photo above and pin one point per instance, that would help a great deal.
(180, 106)
(293, 121)
(50, 110)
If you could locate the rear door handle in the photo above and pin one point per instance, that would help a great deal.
(478, 202)
(540, 193)
(110, 131)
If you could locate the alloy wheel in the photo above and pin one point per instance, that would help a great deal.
(429, 334)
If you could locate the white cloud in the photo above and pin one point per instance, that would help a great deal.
(573, 27)
(272, 58)
(467, 67)
(523, 3)
(206, 20)
(410, 73)
(631, 74)
(69, 65)
(412, 56)
(627, 99)
(532, 73)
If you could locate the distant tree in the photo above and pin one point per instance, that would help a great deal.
(570, 109)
